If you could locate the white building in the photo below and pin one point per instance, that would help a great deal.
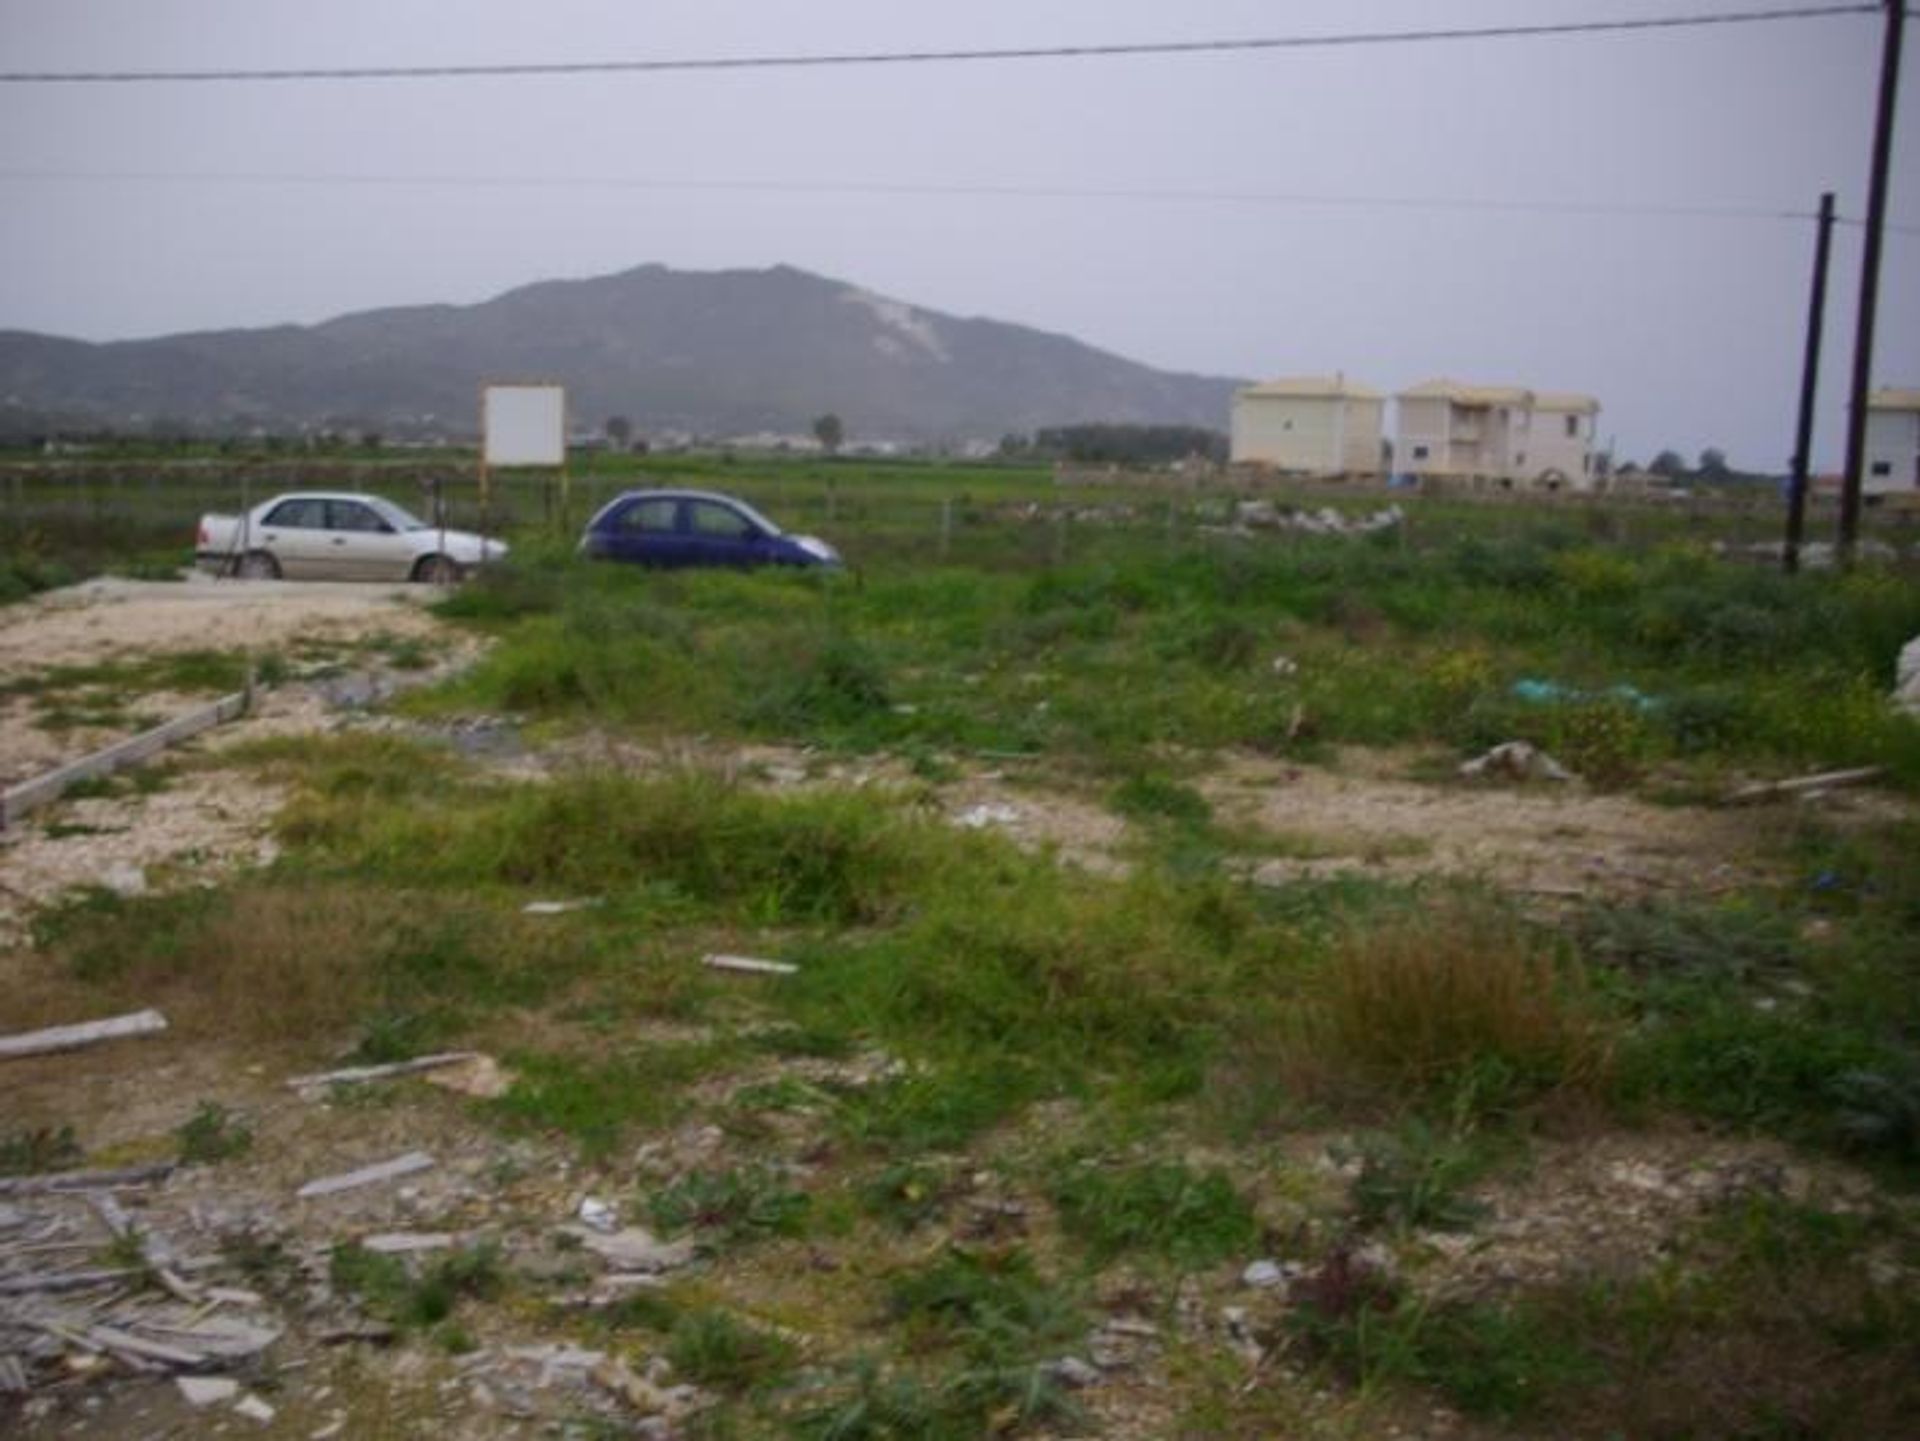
(1495, 432)
(1893, 443)
(1321, 425)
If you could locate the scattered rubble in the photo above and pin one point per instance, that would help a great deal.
(1252, 515)
(64, 1316)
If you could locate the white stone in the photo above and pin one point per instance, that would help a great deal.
(1263, 1275)
(254, 1409)
(206, 1390)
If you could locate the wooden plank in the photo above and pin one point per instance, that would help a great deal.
(1768, 790)
(367, 1175)
(17, 800)
(353, 1074)
(60, 1281)
(57, 1181)
(86, 1033)
(749, 965)
(114, 1339)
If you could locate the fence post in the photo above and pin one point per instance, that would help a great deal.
(1059, 537)
(833, 499)
(946, 526)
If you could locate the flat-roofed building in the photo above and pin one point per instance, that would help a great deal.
(1321, 425)
(1893, 443)
(1503, 433)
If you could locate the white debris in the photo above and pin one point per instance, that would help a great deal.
(749, 965)
(399, 1166)
(1263, 1275)
(206, 1390)
(407, 1243)
(254, 1409)
(1072, 1372)
(634, 1249)
(978, 818)
(1906, 688)
(1516, 760)
(125, 880)
(598, 1215)
(558, 908)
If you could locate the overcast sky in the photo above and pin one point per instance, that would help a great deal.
(133, 210)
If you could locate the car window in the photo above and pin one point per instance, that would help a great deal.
(304, 514)
(719, 521)
(351, 515)
(649, 516)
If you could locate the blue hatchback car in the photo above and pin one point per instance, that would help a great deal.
(695, 528)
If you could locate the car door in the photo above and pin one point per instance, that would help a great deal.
(294, 534)
(645, 532)
(718, 535)
(363, 546)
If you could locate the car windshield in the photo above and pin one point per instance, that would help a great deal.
(397, 516)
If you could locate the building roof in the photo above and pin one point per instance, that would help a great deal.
(1565, 401)
(1894, 400)
(1460, 393)
(1312, 387)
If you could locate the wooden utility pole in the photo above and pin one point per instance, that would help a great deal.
(1809, 383)
(1870, 278)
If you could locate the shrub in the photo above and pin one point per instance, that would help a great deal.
(1459, 1002)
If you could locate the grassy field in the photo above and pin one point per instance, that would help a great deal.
(1005, 1098)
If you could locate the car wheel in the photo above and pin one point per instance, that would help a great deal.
(257, 565)
(436, 570)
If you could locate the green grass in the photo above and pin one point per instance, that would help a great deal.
(732, 1206)
(212, 1134)
(30, 1150)
(1164, 1209)
(416, 1297)
(1767, 1322)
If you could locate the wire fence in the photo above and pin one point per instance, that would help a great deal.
(996, 523)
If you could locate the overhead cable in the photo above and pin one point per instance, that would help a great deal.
(1495, 204)
(1349, 40)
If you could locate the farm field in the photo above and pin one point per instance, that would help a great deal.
(1166, 1039)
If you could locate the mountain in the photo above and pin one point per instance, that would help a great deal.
(710, 353)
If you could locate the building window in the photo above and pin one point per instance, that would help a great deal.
(1419, 452)
(1573, 426)
(1883, 467)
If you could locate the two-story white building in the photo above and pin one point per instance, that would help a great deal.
(1500, 433)
(1893, 443)
(1321, 425)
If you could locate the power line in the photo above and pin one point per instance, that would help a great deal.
(1348, 40)
(1479, 204)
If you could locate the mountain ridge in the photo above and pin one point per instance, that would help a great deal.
(712, 353)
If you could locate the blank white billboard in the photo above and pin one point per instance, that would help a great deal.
(524, 424)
